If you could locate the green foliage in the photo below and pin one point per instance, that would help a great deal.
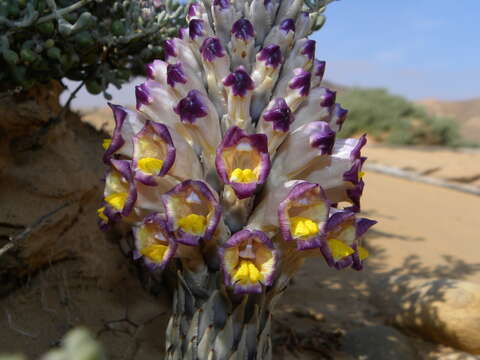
(100, 42)
(316, 8)
(395, 120)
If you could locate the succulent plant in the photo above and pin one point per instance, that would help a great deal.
(230, 172)
(99, 42)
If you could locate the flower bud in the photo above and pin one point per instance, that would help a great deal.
(341, 178)
(242, 43)
(275, 123)
(306, 149)
(239, 86)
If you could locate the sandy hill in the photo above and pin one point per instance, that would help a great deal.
(466, 112)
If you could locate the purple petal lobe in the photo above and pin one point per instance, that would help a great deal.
(175, 74)
(301, 81)
(323, 139)
(352, 175)
(243, 29)
(329, 98)
(191, 107)
(222, 4)
(212, 49)
(309, 49)
(356, 152)
(355, 194)
(193, 9)
(272, 55)
(195, 28)
(280, 114)
(339, 115)
(240, 81)
(319, 68)
(363, 225)
(142, 95)
(119, 114)
(287, 25)
(169, 49)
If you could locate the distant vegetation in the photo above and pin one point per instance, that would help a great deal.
(395, 120)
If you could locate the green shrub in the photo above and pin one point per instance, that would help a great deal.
(394, 120)
(100, 42)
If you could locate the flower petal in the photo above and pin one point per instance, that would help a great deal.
(343, 233)
(127, 124)
(306, 149)
(242, 161)
(154, 152)
(302, 215)
(192, 212)
(154, 244)
(248, 260)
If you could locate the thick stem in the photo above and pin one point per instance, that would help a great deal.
(207, 323)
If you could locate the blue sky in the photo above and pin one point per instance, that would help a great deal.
(415, 48)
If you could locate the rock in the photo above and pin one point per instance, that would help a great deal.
(444, 311)
(51, 168)
(378, 343)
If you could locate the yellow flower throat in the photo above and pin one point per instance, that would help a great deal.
(247, 273)
(303, 227)
(117, 200)
(154, 252)
(243, 176)
(150, 165)
(193, 224)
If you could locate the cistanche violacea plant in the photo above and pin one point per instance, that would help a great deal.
(231, 174)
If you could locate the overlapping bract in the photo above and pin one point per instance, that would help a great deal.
(232, 162)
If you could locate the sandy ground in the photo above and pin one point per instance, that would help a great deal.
(424, 230)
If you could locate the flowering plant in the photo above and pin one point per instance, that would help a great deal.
(231, 172)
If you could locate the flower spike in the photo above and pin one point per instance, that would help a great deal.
(232, 166)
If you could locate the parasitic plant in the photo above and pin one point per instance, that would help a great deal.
(230, 172)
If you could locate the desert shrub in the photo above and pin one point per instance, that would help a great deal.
(98, 42)
(395, 120)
